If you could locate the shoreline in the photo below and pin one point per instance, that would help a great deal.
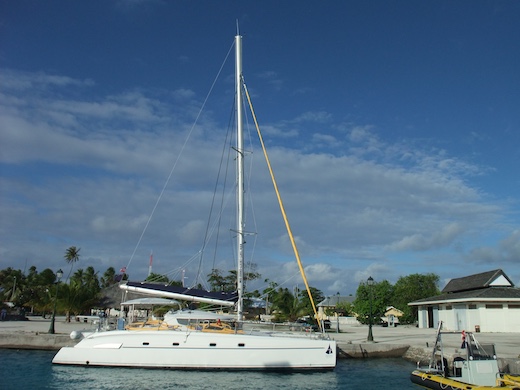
(407, 342)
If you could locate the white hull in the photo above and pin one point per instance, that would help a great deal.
(199, 350)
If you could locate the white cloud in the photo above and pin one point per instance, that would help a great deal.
(88, 171)
(507, 251)
(419, 242)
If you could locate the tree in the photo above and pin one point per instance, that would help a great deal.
(71, 257)
(12, 284)
(372, 299)
(305, 301)
(109, 277)
(157, 278)
(216, 280)
(81, 293)
(285, 305)
(345, 309)
(219, 282)
(91, 281)
(411, 288)
(42, 292)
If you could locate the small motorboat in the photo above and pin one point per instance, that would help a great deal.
(474, 367)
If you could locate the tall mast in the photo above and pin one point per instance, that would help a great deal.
(240, 176)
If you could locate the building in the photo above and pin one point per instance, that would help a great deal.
(487, 302)
(391, 316)
(330, 304)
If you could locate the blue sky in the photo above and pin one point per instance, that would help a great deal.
(393, 128)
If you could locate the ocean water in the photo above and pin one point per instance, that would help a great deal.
(21, 369)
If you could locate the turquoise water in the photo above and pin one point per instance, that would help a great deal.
(33, 370)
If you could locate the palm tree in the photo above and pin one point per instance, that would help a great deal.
(287, 305)
(91, 281)
(71, 256)
(12, 285)
(109, 277)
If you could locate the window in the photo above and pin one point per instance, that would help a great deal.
(472, 307)
(493, 306)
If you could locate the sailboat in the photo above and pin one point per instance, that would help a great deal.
(185, 348)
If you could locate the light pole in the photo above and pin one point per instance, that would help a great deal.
(370, 283)
(59, 274)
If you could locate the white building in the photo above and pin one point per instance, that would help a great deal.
(486, 302)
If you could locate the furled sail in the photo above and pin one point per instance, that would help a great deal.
(182, 293)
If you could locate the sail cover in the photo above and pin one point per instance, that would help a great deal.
(182, 293)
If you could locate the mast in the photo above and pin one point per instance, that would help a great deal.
(240, 177)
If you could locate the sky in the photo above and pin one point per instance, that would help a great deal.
(393, 128)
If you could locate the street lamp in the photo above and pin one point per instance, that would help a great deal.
(59, 274)
(370, 282)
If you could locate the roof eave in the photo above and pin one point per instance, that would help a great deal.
(463, 300)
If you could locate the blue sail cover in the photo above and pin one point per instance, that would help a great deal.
(179, 292)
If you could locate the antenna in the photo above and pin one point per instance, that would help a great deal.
(238, 29)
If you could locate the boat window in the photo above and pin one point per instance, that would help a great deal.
(212, 344)
(175, 344)
(241, 345)
(146, 343)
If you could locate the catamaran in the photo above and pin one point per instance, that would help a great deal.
(187, 348)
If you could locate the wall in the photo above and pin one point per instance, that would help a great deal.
(488, 317)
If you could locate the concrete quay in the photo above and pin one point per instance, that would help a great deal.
(416, 344)
(404, 341)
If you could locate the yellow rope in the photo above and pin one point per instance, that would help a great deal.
(282, 209)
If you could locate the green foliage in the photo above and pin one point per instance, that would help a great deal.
(371, 301)
(286, 306)
(80, 295)
(219, 282)
(157, 278)
(71, 256)
(108, 278)
(411, 288)
(382, 295)
(305, 301)
(289, 306)
(36, 291)
(343, 309)
(12, 283)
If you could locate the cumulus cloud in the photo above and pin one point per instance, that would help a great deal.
(419, 242)
(507, 251)
(88, 171)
